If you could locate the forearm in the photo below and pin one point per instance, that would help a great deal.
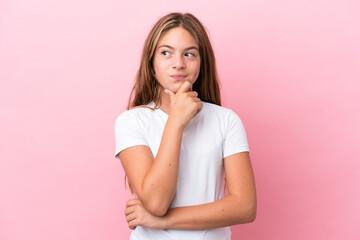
(227, 211)
(160, 181)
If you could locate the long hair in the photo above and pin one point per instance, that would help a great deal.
(146, 88)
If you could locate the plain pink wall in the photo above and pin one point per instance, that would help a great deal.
(290, 69)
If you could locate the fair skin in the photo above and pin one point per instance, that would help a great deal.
(176, 60)
(236, 208)
(177, 66)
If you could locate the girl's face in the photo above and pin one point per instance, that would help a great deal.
(176, 59)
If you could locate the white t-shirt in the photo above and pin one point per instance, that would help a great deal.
(213, 134)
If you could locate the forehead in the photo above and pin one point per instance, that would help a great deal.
(177, 37)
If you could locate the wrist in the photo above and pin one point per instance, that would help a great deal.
(175, 124)
(165, 222)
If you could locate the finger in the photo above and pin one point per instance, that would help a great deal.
(192, 94)
(200, 105)
(170, 93)
(130, 217)
(132, 224)
(129, 210)
(132, 202)
(185, 87)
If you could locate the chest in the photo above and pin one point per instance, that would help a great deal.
(201, 146)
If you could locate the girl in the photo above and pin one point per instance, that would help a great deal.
(175, 141)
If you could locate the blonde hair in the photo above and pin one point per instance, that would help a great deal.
(146, 88)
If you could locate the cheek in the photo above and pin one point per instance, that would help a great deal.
(155, 65)
(159, 67)
(196, 69)
(160, 72)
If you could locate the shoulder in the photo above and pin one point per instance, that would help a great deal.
(138, 113)
(219, 111)
(226, 118)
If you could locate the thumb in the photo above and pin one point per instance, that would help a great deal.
(170, 93)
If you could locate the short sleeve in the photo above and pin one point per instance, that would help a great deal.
(235, 140)
(128, 132)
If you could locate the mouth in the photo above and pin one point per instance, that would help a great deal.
(178, 76)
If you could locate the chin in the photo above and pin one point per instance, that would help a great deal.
(174, 89)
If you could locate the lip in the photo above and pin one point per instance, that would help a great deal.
(178, 76)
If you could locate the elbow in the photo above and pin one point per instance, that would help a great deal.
(247, 214)
(156, 204)
(251, 214)
(158, 212)
(157, 208)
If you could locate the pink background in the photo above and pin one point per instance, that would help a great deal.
(289, 69)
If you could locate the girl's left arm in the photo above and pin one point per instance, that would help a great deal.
(238, 207)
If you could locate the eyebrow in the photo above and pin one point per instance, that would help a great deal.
(189, 48)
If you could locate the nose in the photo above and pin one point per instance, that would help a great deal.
(179, 62)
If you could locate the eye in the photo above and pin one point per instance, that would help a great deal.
(189, 55)
(166, 53)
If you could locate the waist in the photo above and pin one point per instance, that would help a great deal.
(141, 233)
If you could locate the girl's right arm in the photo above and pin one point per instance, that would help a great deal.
(154, 180)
